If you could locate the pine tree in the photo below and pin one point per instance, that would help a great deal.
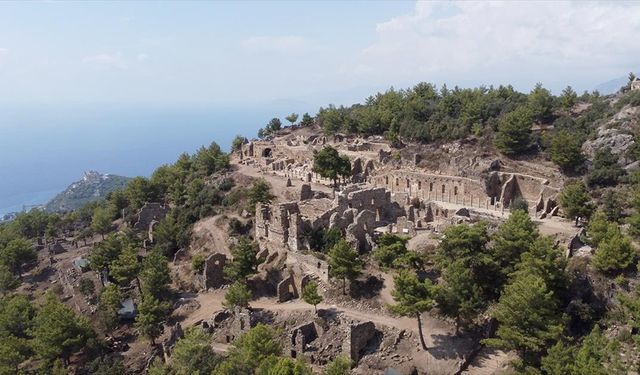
(58, 332)
(546, 261)
(110, 302)
(513, 237)
(459, 296)
(126, 267)
(575, 201)
(155, 275)
(249, 351)
(101, 221)
(540, 102)
(273, 365)
(244, 260)
(292, 118)
(16, 254)
(260, 192)
(329, 164)
(238, 295)
(341, 365)
(344, 263)
(151, 316)
(614, 253)
(8, 281)
(568, 98)
(310, 295)
(597, 355)
(413, 297)
(193, 354)
(566, 150)
(598, 228)
(514, 132)
(528, 316)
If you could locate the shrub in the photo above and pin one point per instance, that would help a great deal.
(197, 263)
(519, 204)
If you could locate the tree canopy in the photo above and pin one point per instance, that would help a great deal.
(413, 297)
(344, 262)
(329, 164)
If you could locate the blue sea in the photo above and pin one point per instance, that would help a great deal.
(44, 149)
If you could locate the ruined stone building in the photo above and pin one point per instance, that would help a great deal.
(356, 211)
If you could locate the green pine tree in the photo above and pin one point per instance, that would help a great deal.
(344, 263)
(528, 316)
(310, 295)
(413, 297)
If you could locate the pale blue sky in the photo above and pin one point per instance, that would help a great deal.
(239, 53)
(123, 87)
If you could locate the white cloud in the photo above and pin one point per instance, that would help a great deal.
(464, 38)
(287, 43)
(142, 57)
(107, 60)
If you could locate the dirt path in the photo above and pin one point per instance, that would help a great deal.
(210, 302)
(297, 305)
(278, 182)
(385, 293)
(489, 361)
(208, 233)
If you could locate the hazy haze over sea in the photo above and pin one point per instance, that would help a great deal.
(43, 150)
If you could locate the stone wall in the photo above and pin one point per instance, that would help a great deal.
(214, 270)
(175, 334)
(497, 187)
(300, 337)
(287, 290)
(149, 213)
(359, 335)
(303, 264)
(432, 186)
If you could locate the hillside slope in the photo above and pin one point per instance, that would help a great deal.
(93, 186)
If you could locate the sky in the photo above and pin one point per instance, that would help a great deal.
(124, 86)
(232, 54)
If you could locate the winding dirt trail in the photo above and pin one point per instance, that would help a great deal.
(212, 302)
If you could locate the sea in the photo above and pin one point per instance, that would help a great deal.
(43, 149)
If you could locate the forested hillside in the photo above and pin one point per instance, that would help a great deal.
(556, 313)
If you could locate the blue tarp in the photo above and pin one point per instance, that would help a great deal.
(128, 309)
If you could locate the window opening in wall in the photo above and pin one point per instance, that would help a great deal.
(442, 189)
(407, 182)
(386, 180)
(430, 186)
(455, 190)
(397, 181)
